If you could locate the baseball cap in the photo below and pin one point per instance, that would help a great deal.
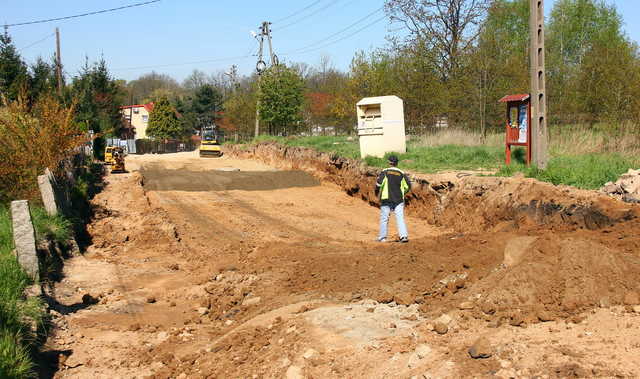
(393, 159)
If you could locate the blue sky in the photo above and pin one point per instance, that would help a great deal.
(162, 36)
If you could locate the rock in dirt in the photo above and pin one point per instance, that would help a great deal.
(294, 372)
(251, 301)
(87, 299)
(309, 354)
(440, 327)
(422, 351)
(151, 299)
(404, 299)
(445, 319)
(466, 305)
(384, 297)
(516, 250)
(481, 349)
(631, 298)
(545, 316)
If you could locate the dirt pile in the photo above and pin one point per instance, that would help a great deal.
(466, 204)
(626, 188)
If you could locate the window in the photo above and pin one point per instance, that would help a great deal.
(145, 118)
(136, 110)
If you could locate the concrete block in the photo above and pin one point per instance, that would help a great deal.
(24, 238)
(47, 193)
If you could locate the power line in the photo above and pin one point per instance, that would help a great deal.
(183, 63)
(304, 51)
(81, 15)
(37, 42)
(309, 15)
(338, 32)
(298, 11)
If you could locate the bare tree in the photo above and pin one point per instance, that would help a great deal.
(446, 27)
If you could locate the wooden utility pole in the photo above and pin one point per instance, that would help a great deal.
(539, 135)
(58, 62)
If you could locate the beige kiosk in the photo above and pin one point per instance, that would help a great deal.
(381, 126)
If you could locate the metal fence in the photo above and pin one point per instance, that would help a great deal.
(129, 145)
(148, 146)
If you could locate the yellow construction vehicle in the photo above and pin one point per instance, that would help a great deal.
(210, 142)
(108, 154)
(118, 161)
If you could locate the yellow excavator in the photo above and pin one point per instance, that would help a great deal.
(211, 137)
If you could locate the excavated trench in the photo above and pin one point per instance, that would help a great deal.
(464, 204)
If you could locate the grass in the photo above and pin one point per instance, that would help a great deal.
(17, 313)
(586, 171)
(581, 156)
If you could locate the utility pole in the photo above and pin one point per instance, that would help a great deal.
(58, 62)
(265, 31)
(539, 135)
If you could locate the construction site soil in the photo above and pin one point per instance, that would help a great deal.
(233, 268)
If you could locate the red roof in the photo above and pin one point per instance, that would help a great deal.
(148, 106)
(518, 97)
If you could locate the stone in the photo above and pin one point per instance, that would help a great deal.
(480, 349)
(24, 238)
(545, 316)
(466, 305)
(294, 372)
(422, 351)
(202, 311)
(516, 250)
(445, 319)
(636, 308)
(47, 193)
(488, 308)
(384, 297)
(151, 299)
(309, 354)
(631, 298)
(440, 327)
(404, 299)
(251, 301)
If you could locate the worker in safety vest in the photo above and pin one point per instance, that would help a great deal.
(392, 186)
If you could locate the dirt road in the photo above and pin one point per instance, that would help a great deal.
(228, 268)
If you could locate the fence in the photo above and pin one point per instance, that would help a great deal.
(129, 145)
(148, 146)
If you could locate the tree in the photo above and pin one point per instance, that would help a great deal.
(281, 99)
(447, 27)
(143, 87)
(13, 72)
(206, 103)
(98, 98)
(43, 78)
(163, 121)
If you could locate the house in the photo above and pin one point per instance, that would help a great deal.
(137, 116)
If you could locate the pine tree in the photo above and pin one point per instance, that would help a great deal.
(163, 122)
(13, 71)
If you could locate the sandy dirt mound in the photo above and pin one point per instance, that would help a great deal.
(286, 282)
(466, 203)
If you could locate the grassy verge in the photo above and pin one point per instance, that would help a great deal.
(16, 312)
(19, 315)
(582, 169)
(587, 171)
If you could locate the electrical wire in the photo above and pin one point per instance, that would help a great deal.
(298, 11)
(339, 39)
(83, 14)
(183, 63)
(338, 32)
(37, 42)
(309, 15)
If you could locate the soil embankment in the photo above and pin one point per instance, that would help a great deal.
(195, 276)
(465, 204)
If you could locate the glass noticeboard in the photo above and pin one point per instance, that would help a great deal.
(522, 123)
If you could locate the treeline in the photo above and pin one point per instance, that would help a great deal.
(451, 65)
